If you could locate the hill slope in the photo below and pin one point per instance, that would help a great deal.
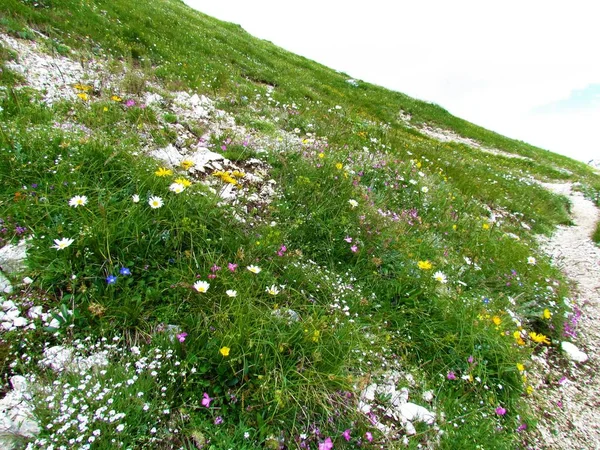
(256, 251)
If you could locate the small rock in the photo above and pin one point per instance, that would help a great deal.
(16, 414)
(573, 352)
(413, 412)
(12, 257)
(5, 286)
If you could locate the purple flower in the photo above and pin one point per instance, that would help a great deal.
(369, 436)
(500, 410)
(346, 435)
(129, 103)
(218, 420)
(348, 239)
(206, 400)
(125, 271)
(111, 279)
(354, 249)
(232, 266)
(182, 336)
(326, 444)
(215, 268)
(451, 375)
(470, 360)
(521, 427)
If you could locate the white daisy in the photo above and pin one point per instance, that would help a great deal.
(155, 202)
(201, 286)
(254, 269)
(61, 244)
(78, 200)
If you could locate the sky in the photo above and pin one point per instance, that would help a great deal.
(527, 69)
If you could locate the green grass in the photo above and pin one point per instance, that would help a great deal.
(365, 221)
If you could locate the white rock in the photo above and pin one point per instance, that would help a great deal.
(8, 305)
(201, 157)
(5, 286)
(169, 155)
(58, 358)
(413, 412)
(12, 257)
(12, 314)
(428, 396)
(27, 280)
(20, 322)
(16, 414)
(573, 352)
(35, 312)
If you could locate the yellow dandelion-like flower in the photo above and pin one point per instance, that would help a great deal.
(454, 227)
(529, 390)
(497, 320)
(83, 96)
(539, 338)
(547, 314)
(520, 367)
(116, 98)
(518, 338)
(224, 351)
(424, 265)
(187, 164)
(183, 181)
(339, 166)
(83, 87)
(485, 226)
(163, 172)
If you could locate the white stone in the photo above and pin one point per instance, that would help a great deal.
(413, 412)
(35, 312)
(27, 280)
(58, 358)
(20, 322)
(16, 414)
(428, 396)
(5, 286)
(201, 157)
(169, 155)
(573, 352)
(8, 305)
(12, 257)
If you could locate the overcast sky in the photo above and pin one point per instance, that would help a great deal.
(528, 69)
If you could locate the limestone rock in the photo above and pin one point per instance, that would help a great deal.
(573, 352)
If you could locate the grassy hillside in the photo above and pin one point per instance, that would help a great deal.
(283, 294)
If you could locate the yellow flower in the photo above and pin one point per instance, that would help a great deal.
(339, 166)
(316, 335)
(163, 172)
(485, 226)
(83, 96)
(521, 367)
(454, 227)
(224, 351)
(529, 390)
(82, 87)
(518, 338)
(183, 181)
(497, 320)
(105, 109)
(547, 313)
(321, 155)
(424, 265)
(116, 98)
(187, 164)
(539, 338)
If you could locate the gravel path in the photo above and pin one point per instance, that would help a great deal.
(568, 393)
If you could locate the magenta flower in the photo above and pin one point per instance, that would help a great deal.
(470, 360)
(348, 239)
(522, 427)
(129, 103)
(215, 268)
(354, 249)
(346, 435)
(451, 375)
(182, 336)
(232, 266)
(206, 400)
(218, 420)
(326, 444)
(500, 410)
(369, 436)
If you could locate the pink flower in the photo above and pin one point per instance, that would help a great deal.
(218, 420)
(232, 266)
(348, 239)
(129, 103)
(206, 400)
(346, 435)
(470, 360)
(215, 268)
(451, 375)
(211, 276)
(326, 444)
(354, 249)
(500, 410)
(181, 336)
(369, 436)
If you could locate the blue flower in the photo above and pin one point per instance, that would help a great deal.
(111, 279)
(125, 271)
